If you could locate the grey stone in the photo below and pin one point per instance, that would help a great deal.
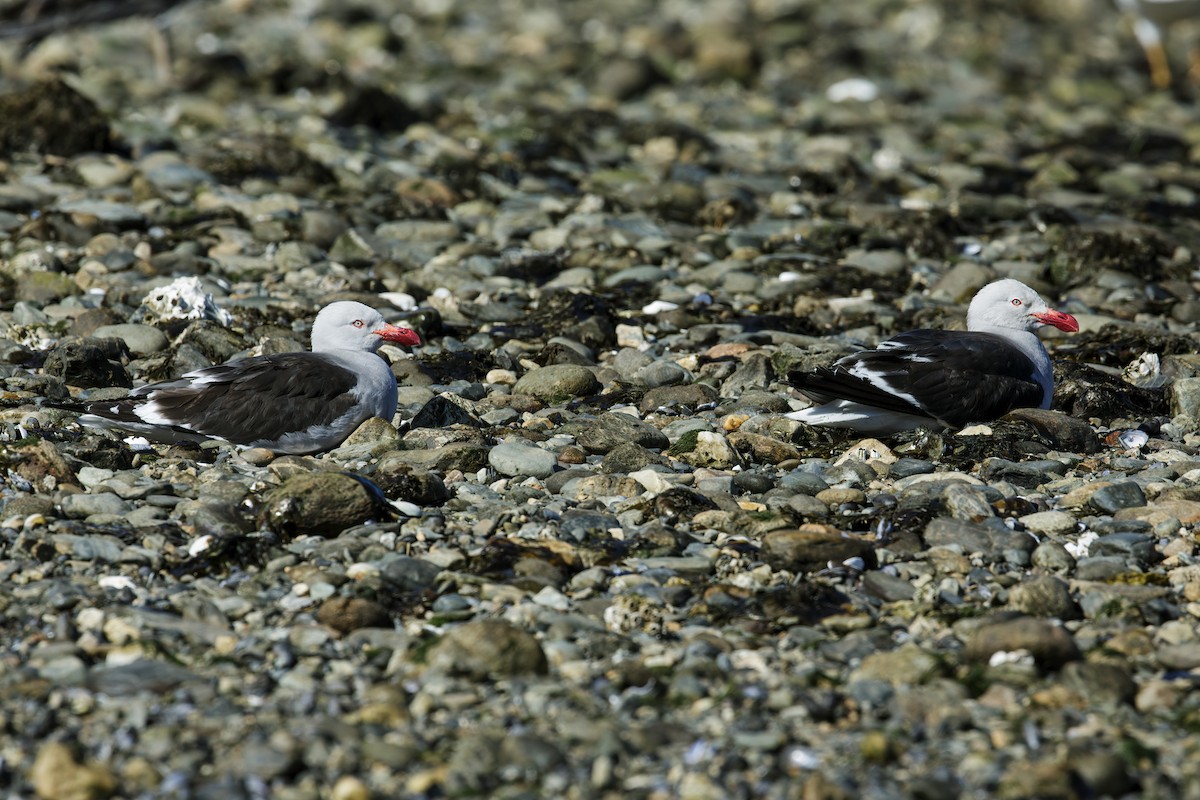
(1139, 548)
(1099, 568)
(803, 481)
(662, 373)
(628, 361)
(608, 431)
(143, 675)
(515, 458)
(80, 506)
(1185, 398)
(121, 214)
(754, 372)
(1112, 498)
(965, 502)
(877, 262)
(580, 524)
(557, 383)
(993, 541)
(906, 467)
(409, 574)
(1043, 596)
(1028, 474)
(140, 339)
(887, 587)
(1183, 656)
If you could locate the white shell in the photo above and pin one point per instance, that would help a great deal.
(1133, 440)
(1145, 372)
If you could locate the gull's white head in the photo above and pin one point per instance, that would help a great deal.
(346, 325)
(1013, 305)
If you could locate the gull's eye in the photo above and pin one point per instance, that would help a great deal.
(1016, 301)
(358, 323)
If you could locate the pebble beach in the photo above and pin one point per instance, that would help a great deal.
(590, 558)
